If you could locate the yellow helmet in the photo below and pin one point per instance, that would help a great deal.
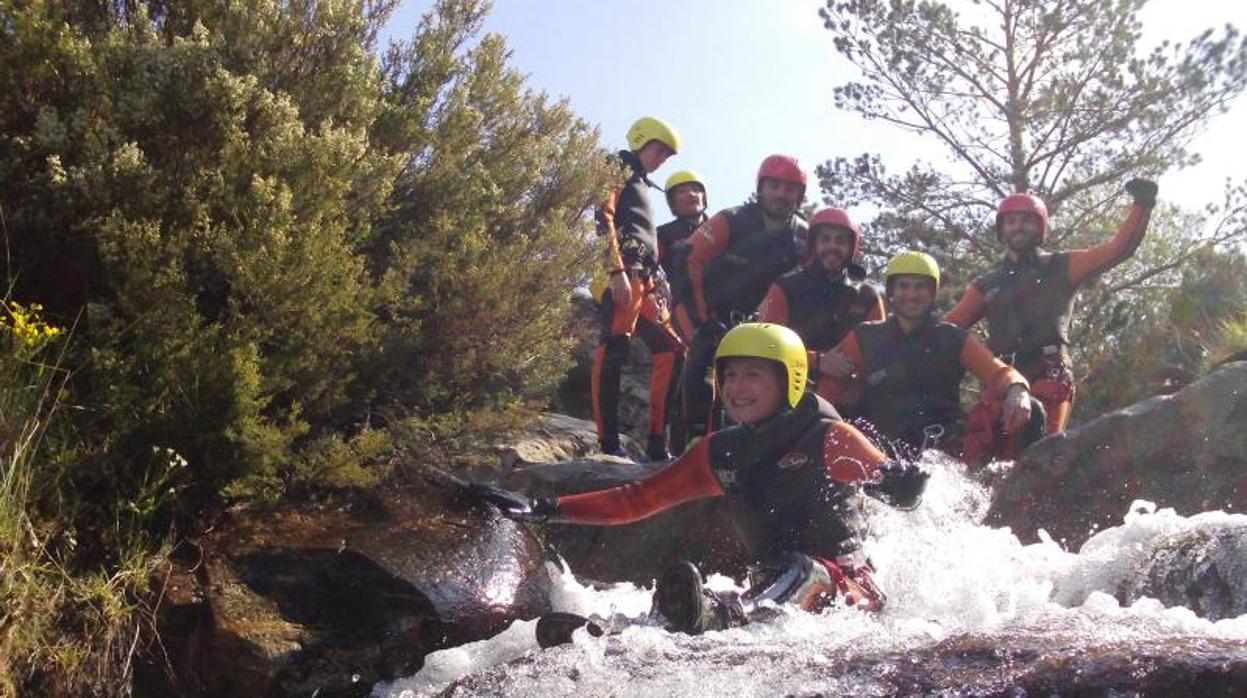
(764, 340)
(684, 177)
(912, 262)
(647, 128)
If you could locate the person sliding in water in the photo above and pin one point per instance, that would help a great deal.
(792, 472)
(1028, 298)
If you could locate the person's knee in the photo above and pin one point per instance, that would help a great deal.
(615, 350)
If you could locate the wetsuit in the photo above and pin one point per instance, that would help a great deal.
(792, 484)
(734, 258)
(632, 249)
(1028, 304)
(674, 245)
(822, 307)
(907, 387)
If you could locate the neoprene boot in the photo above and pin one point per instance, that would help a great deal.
(689, 607)
(656, 448)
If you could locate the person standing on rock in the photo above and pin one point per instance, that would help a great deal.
(903, 377)
(632, 302)
(1029, 297)
(825, 300)
(792, 472)
(687, 199)
(733, 259)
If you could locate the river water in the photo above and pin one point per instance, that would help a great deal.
(967, 604)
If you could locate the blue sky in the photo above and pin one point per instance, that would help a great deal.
(741, 79)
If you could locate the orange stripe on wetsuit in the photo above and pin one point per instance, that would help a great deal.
(847, 454)
(708, 241)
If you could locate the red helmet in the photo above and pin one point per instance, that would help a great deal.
(839, 218)
(1024, 203)
(782, 167)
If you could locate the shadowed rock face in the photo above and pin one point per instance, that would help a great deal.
(1187, 451)
(288, 603)
(1204, 570)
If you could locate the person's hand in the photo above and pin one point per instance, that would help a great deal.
(514, 505)
(899, 484)
(621, 290)
(1143, 191)
(835, 364)
(1015, 412)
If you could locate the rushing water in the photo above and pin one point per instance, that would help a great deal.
(948, 578)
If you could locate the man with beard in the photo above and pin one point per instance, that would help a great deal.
(905, 376)
(1029, 297)
(734, 258)
(632, 303)
(829, 297)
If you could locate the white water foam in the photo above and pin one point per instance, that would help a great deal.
(944, 571)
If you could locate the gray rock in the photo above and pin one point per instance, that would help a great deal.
(555, 438)
(1187, 451)
(1204, 569)
(303, 602)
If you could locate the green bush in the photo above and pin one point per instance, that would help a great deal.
(274, 236)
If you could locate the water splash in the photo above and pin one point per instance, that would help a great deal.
(946, 574)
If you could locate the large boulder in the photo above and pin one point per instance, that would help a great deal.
(700, 531)
(328, 602)
(1187, 451)
(1203, 569)
(556, 438)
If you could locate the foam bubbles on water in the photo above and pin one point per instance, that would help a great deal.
(945, 573)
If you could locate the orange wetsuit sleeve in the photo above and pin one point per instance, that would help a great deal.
(996, 375)
(1084, 263)
(844, 392)
(849, 455)
(708, 242)
(774, 307)
(606, 226)
(969, 310)
(684, 480)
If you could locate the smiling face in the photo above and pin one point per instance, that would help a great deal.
(687, 200)
(833, 246)
(911, 296)
(779, 198)
(1020, 230)
(753, 389)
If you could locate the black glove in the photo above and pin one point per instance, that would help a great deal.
(516, 506)
(1143, 191)
(900, 484)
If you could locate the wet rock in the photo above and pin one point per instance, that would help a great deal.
(329, 602)
(1187, 451)
(1024, 661)
(1203, 569)
(555, 438)
(700, 531)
